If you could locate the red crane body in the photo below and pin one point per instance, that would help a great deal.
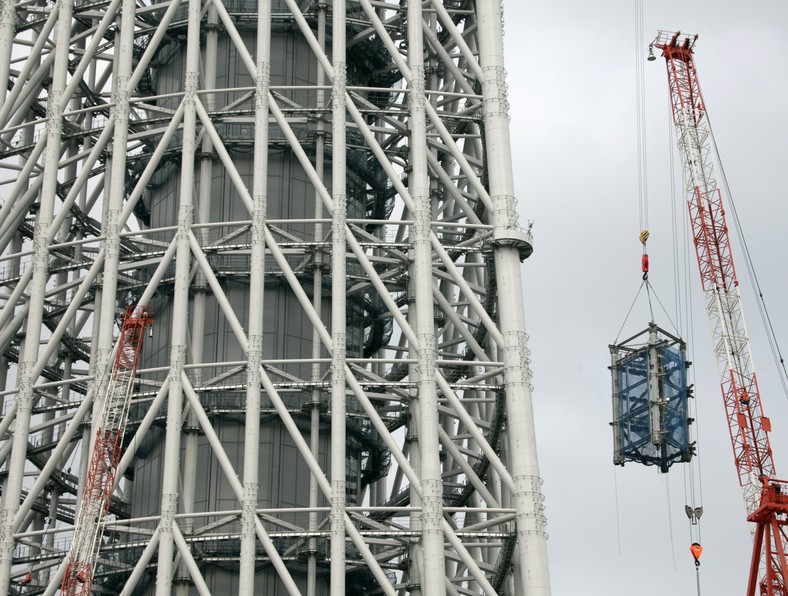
(765, 496)
(105, 456)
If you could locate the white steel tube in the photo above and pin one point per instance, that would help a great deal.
(366, 554)
(527, 495)
(56, 579)
(114, 202)
(32, 61)
(449, 445)
(23, 180)
(190, 438)
(86, 60)
(7, 23)
(53, 461)
(338, 302)
(141, 566)
(186, 557)
(142, 429)
(28, 356)
(178, 339)
(436, 243)
(237, 487)
(448, 24)
(254, 352)
(434, 577)
(317, 305)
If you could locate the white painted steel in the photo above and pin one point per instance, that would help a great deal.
(12, 490)
(338, 301)
(319, 266)
(178, 343)
(317, 199)
(434, 566)
(527, 496)
(254, 352)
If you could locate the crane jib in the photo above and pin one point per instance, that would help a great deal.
(765, 496)
(105, 454)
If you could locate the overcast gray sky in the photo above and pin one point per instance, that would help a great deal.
(572, 88)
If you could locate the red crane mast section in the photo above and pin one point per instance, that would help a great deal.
(765, 496)
(105, 456)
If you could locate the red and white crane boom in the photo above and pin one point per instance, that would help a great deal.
(765, 496)
(104, 458)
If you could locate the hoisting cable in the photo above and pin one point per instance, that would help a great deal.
(644, 236)
(670, 520)
(644, 267)
(764, 312)
(640, 93)
(693, 512)
(629, 312)
(618, 513)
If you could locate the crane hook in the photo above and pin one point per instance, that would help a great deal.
(644, 234)
(696, 550)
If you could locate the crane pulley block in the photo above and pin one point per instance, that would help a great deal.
(650, 393)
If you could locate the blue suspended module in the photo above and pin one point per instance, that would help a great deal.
(650, 392)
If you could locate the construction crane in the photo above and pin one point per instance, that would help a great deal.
(104, 458)
(766, 497)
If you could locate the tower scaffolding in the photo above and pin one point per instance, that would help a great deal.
(317, 201)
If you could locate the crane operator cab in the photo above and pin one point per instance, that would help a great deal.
(650, 392)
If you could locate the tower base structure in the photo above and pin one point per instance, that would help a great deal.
(317, 200)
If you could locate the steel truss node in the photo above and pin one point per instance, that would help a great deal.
(316, 198)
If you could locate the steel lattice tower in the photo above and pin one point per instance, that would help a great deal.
(316, 199)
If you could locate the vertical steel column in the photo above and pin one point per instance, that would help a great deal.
(338, 301)
(378, 490)
(13, 268)
(433, 581)
(317, 303)
(7, 32)
(178, 347)
(254, 352)
(62, 278)
(191, 429)
(113, 204)
(29, 353)
(527, 497)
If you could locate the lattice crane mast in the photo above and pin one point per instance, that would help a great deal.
(105, 456)
(765, 496)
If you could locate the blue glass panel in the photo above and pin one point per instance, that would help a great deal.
(633, 411)
(673, 388)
